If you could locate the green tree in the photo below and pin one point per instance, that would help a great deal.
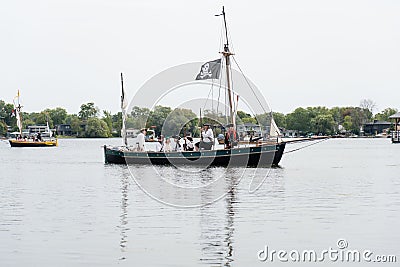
(299, 119)
(249, 120)
(27, 122)
(42, 118)
(243, 117)
(117, 123)
(88, 111)
(323, 123)
(157, 118)
(107, 118)
(385, 114)
(265, 119)
(179, 121)
(96, 128)
(5, 113)
(57, 115)
(242, 114)
(3, 128)
(280, 119)
(336, 114)
(347, 123)
(76, 125)
(138, 117)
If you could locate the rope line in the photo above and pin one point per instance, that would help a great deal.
(297, 149)
(248, 83)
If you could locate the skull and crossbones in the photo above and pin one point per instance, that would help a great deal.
(205, 71)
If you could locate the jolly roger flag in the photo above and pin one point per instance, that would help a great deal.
(210, 70)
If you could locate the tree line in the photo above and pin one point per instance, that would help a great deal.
(330, 121)
(90, 122)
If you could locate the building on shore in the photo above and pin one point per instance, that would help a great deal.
(64, 129)
(290, 133)
(248, 129)
(376, 127)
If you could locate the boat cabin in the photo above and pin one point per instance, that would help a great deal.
(42, 129)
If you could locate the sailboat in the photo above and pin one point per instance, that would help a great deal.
(24, 141)
(260, 153)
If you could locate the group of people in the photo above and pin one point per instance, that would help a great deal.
(166, 144)
(37, 138)
(175, 143)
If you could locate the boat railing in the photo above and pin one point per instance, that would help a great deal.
(396, 136)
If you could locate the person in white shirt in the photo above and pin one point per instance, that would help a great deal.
(160, 144)
(207, 138)
(176, 144)
(141, 140)
(188, 146)
(167, 145)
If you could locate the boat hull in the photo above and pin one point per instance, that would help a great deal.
(265, 156)
(19, 143)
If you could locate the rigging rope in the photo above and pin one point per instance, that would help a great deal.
(248, 83)
(297, 149)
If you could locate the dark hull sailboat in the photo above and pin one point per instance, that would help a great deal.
(257, 156)
(262, 154)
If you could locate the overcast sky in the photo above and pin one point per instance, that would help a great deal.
(299, 53)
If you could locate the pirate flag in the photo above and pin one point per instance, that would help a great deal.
(210, 70)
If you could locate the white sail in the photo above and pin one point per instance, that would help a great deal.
(17, 109)
(19, 123)
(274, 130)
(48, 130)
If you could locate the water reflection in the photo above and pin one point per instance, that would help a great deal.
(124, 213)
(217, 225)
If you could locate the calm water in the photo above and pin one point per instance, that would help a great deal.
(64, 207)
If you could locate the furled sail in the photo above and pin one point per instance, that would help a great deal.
(124, 105)
(17, 108)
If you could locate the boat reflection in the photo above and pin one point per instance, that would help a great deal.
(217, 225)
(124, 214)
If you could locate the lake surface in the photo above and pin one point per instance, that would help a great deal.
(64, 207)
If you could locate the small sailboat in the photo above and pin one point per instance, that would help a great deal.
(30, 141)
(258, 153)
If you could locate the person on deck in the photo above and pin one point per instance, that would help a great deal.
(207, 138)
(141, 140)
(39, 137)
(176, 143)
(167, 145)
(188, 146)
(160, 144)
(230, 137)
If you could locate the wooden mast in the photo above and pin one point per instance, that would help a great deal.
(226, 53)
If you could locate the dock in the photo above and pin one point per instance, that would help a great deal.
(396, 132)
